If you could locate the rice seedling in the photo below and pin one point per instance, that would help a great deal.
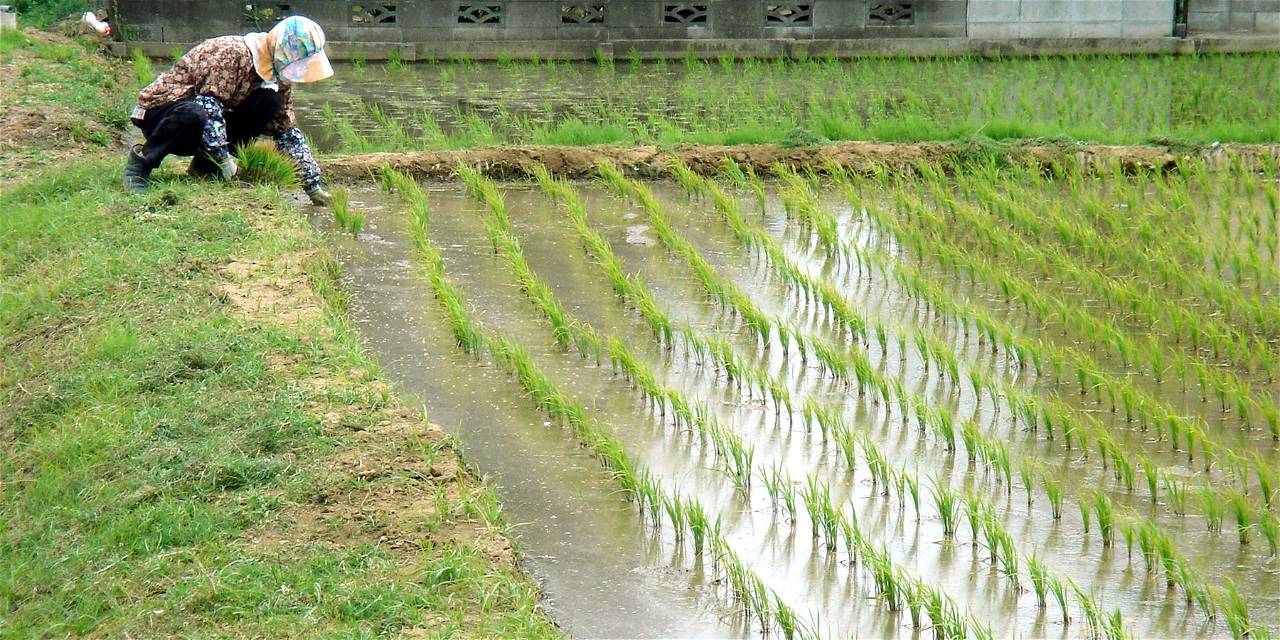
(1105, 515)
(1212, 509)
(1236, 612)
(347, 219)
(1243, 514)
(1086, 508)
(261, 163)
(1053, 491)
(1269, 525)
(946, 502)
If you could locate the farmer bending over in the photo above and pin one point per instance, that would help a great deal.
(225, 92)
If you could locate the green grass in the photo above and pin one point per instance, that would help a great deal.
(68, 76)
(146, 434)
(156, 439)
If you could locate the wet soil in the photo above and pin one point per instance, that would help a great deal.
(653, 161)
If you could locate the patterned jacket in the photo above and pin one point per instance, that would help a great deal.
(219, 74)
(218, 67)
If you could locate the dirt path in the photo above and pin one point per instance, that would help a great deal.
(651, 161)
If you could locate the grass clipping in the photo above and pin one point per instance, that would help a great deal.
(262, 163)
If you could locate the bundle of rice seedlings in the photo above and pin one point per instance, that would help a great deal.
(261, 163)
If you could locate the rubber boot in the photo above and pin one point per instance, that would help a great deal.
(137, 173)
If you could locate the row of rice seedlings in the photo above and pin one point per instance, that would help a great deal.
(1117, 245)
(634, 290)
(995, 453)
(815, 495)
(625, 285)
(814, 289)
(983, 520)
(1149, 411)
(1160, 264)
(812, 495)
(898, 587)
(1176, 226)
(1149, 353)
(1121, 295)
(1184, 433)
(984, 523)
(1106, 333)
(736, 455)
(801, 203)
(1100, 502)
(638, 484)
(1124, 466)
(998, 459)
(727, 294)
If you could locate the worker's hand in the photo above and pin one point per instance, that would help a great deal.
(319, 196)
(228, 168)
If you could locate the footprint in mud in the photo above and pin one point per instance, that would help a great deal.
(638, 234)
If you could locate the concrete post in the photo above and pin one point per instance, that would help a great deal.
(8, 18)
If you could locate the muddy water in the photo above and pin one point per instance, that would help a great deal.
(1214, 558)
(604, 575)
(605, 572)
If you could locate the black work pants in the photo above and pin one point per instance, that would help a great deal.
(176, 128)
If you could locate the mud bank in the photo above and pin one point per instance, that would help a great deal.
(652, 161)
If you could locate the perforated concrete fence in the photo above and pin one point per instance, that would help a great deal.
(416, 29)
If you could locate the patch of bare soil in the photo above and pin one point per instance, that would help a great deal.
(265, 292)
(652, 161)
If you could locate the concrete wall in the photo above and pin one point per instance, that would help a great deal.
(417, 29)
(438, 22)
(1070, 18)
(1218, 16)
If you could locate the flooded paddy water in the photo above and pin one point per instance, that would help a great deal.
(987, 459)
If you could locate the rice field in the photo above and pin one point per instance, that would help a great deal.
(998, 402)
(1104, 99)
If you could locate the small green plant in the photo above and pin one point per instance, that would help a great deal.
(395, 62)
(348, 219)
(143, 72)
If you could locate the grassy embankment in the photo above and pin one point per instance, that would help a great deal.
(194, 442)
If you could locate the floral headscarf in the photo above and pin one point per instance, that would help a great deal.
(293, 51)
